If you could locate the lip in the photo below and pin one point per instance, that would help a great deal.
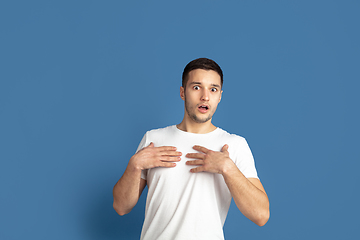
(202, 109)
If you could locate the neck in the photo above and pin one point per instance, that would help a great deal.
(194, 127)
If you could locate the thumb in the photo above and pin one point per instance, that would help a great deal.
(225, 148)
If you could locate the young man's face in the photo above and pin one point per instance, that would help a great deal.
(202, 94)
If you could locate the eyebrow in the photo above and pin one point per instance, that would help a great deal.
(199, 83)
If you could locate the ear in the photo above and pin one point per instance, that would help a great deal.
(220, 95)
(182, 93)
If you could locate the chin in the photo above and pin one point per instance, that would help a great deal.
(201, 120)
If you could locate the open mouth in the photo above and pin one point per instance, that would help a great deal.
(203, 108)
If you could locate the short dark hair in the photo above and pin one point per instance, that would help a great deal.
(201, 63)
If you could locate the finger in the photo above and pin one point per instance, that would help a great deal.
(196, 155)
(167, 164)
(166, 148)
(197, 169)
(151, 144)
(201, 149)
(225, 148)
(170, 159)
(195, 162)
(170, 153)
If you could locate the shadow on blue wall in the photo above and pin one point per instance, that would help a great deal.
(102, 221)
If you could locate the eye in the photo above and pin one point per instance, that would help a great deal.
(214, 89)
(196, 87)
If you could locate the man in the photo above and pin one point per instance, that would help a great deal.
(192, 169)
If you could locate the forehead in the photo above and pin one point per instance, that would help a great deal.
(205, 77)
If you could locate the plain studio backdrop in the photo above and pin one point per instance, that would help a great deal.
(82, 81)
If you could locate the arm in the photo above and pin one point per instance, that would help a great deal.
(128, 189)
(249, 194)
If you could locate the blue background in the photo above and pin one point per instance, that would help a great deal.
(82, 81)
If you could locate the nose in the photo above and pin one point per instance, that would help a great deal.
(205, 95)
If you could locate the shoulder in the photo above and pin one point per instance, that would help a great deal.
(160, 131)
(154, 135)
(230, 136)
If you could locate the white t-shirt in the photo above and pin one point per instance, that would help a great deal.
(182, 205)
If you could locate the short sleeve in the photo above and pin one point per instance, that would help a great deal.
(244, 159)
(141, 146)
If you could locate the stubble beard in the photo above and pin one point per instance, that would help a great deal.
(191, 112)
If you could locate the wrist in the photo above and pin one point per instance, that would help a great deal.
(134, 164)
(228, 167)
